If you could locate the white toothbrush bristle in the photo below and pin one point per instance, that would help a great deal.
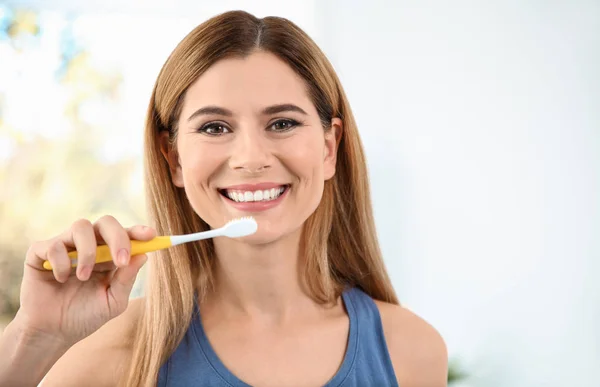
(240, 227)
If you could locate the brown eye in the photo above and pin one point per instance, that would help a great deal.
(283, 125)
(214, 129)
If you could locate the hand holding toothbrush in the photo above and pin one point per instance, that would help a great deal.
(71, 304)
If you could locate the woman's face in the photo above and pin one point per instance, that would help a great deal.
(250, 143)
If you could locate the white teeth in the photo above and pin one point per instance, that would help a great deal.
(256, 196)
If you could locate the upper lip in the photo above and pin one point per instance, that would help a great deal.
(253, 187)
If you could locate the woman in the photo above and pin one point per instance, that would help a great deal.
(247, 118)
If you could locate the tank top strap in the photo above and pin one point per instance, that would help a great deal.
(373, 358)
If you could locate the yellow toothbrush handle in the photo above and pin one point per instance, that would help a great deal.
(137, 247)
(157, 243)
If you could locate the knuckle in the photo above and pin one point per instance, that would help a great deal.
(54, 246)
(30, 254)
(106, 218)
(135, 230)
(82, 223)
(32, 248)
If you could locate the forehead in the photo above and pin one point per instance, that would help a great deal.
(253, 82)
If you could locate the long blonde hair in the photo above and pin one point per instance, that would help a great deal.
(343, 249)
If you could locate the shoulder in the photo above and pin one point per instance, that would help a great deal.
(417, 350)
(101, 358)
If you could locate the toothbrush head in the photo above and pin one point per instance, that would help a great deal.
(240, 227)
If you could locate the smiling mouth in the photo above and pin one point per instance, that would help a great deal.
(262, 195)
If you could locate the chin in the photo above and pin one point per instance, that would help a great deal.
(266, 236)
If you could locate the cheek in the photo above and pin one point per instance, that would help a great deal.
(198, 162)
(304, 154)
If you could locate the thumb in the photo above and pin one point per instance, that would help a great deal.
(122, 282)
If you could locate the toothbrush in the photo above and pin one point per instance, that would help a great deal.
(235, 228)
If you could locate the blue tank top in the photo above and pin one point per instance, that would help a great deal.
(366, 362)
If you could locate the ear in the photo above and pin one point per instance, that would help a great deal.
(332, 141)
(170, 154)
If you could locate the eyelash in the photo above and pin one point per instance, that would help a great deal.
(211, 125)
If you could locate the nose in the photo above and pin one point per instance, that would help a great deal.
(250, 152)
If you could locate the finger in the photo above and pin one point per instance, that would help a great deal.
(36, 254)
(60, 261)
(51, 250)
(116, 238)
(123, 280)
(141, 233)
(84, 239)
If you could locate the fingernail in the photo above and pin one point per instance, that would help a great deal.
(123, 257)
(85, 272)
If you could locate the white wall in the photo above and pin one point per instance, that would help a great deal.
(482, 127)
(481, 122)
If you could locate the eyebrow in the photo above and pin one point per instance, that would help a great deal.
(287, 107)
(219, 111)
(211, 110)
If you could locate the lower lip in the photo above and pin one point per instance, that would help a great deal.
(256, 206)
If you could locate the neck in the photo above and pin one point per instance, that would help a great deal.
(260, 281)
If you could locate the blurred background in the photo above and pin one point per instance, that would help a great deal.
(481, 123)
